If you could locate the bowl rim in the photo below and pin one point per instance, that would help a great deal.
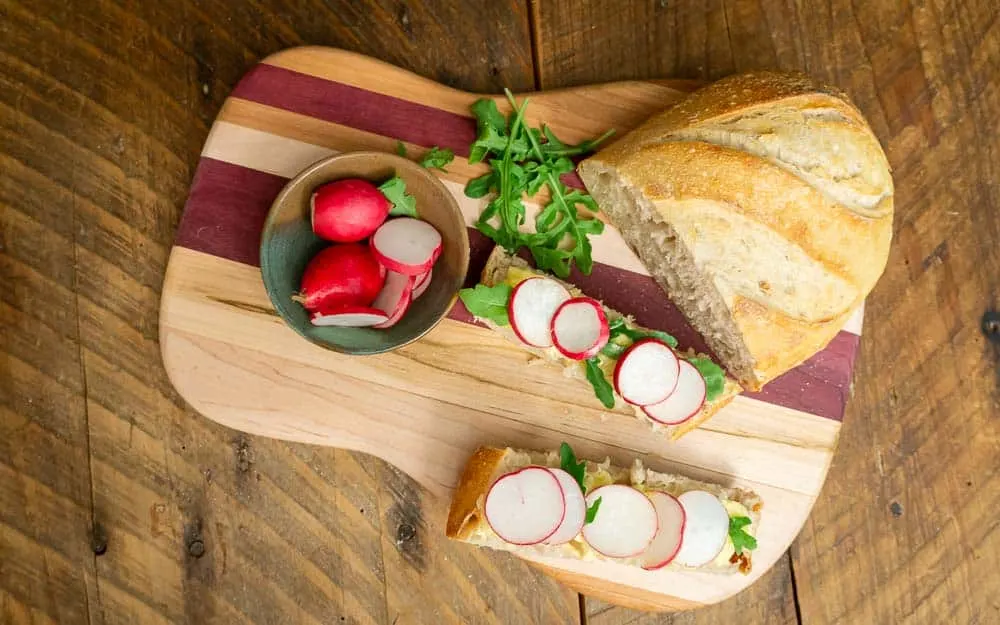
(393, 159)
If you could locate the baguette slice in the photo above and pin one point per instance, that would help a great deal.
(506, 268)
(467, 522)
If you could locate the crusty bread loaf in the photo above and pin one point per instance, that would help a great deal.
(763, 205)
(497, 268)
(466, 521)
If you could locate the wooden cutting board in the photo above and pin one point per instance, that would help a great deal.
(425, 408)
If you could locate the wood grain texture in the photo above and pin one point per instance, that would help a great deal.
(902, 530)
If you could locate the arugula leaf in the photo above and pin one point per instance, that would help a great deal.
(488, 302)
(569, 464)
(437, 158)
(613, 350)
(620, 327)
(741, 539)
(479, 187)
(592, 511)
(715, 378)
(403, 204)
(602, 388)
(401, 148)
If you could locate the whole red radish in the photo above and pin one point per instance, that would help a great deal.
(341, 275)
(347, 211)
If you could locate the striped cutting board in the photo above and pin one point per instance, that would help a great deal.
(426, 407)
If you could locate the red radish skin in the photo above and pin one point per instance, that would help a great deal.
(525, 507)
(407, 245)
(580, 328)
(422, 282)
(706, 528)
(533, 303)
(576, 509)
(394, 299)
(686, 400)
(647, 372)
(348, 211)
(625, 523)
(340, 275)
(667, 542)
(349, 317)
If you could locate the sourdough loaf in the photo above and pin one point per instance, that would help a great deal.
(763, 205)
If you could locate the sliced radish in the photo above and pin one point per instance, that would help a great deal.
(576, 509)
(349, 317)
(686, 400)
(525, 507)
(533, 303)
(670, 515)
(647, 372)
(394, 299)
(625, 523)
(407, 245)
(422, 282)
(706, 527)
(580, 328)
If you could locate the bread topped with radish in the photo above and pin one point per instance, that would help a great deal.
(551, 504)
(626, 365)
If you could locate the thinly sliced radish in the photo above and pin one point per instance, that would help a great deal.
(706, 527)
(670, 515)
(394, 299)
(625, 523)
(647, 372)
(349, 317)
(422, 282)
(576, 509)
(407, 245)
(686, 400)
(525, 507)
(533, 303)
(580, 328)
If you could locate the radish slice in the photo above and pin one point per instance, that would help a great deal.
(349, 317)
(670, 514)
(533, 303)
(525, 507)
(394, 298)
(706, 528)
(625, 523)
(580, 328)
(576, 509)
(407, 245)
(421, 283)
(686, 400)
(647, 372)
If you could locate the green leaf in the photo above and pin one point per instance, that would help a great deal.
(602, 388)
(556, 261)
(619, 327)
(569, 464)
(488, 302)
(403, 204)
(613, 350)
(741, 539)
(481, 186)
(592, 511)
(401, 148)
(487, 114)
(437, 158)
(715, 377)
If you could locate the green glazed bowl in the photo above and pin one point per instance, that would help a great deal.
(288, 243)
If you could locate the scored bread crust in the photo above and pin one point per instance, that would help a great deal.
(467, 521)
(495, 272)
(763, 204)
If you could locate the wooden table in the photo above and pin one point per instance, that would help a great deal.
(119, 504)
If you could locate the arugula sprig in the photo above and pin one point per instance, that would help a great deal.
(488, 302)
(523, 160)
(740, 537)
(437, 158)
(403, 204)
(578, 471)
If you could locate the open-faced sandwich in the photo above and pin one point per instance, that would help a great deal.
(550, 504)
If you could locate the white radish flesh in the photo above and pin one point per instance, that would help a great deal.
(576, 509)
(647, 372)
(625, 523)
(525, 507)
(407, 245)
(422, 282)
(394, 298)
(349, 317)
(706, 527)
(580, 328)
(670, 516)
(686, 400)
(533, 303)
